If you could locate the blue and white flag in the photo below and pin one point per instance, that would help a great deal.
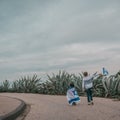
(104, 71)
(72, 96)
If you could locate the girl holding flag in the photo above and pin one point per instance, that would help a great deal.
(87, 85)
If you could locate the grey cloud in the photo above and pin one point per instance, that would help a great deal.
(49, 35)
(115, 50)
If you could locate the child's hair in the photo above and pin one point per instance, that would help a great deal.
(85, 74)
(71, 84)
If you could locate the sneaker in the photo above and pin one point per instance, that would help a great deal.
(73, 103)
(92, 103)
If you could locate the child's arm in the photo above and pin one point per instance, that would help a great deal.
(95, 74)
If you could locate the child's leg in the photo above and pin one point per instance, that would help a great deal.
(88, 95)
(91, 97)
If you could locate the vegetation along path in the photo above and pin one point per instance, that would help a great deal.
(50, 107)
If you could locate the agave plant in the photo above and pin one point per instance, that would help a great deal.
(26, 84)
(98, 89)
(59, 83)
(5, 86)
(77, 79)
(111, 85)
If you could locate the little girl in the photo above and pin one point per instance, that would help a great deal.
(72, 95)
(87, 84)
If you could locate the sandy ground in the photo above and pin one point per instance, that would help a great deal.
(47, 107)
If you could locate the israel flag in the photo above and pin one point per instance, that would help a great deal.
(104, 71)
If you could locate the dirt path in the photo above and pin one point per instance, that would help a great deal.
(46, 107)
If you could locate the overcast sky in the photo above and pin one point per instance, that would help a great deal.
(45, 36)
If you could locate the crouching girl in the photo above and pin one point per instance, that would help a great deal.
(72, 95)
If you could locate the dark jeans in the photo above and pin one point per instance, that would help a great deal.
(89, 94)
